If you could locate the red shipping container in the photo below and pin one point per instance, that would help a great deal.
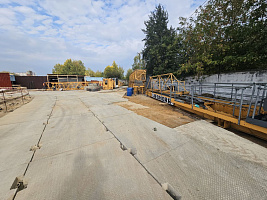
(5, 80)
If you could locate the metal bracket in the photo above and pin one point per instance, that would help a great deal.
(19, 183)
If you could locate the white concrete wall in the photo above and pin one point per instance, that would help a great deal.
(237, 77)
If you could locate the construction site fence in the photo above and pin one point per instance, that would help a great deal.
(66, 85)
(9, 95)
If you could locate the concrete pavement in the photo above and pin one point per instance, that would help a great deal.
(80, 134)
(195, 169)
(78, 159)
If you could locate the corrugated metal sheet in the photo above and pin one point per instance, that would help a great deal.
(31, 82)
(5, 80)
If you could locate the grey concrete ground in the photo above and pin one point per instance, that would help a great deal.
(80, 134)
(78, 159)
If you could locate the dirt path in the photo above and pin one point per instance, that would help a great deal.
(157, 111)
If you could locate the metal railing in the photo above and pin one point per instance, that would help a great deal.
(11, 94)
(246, 97)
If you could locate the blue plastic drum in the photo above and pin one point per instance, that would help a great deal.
(129, 91)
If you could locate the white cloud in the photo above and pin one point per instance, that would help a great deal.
(38, 34)
(7, 17)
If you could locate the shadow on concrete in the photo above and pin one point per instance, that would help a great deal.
(85, 181)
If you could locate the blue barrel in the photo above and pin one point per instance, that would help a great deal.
(129, 91)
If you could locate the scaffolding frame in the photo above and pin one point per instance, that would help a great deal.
(66, 85)
(166, 84)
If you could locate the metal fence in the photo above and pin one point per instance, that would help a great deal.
(250, 96)
(10, 95)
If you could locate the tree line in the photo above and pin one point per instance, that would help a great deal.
(76, 67)
(222, 36)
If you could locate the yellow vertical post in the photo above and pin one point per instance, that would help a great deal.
(151, 83)
(172, 83)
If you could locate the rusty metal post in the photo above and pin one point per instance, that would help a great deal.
(22, 95)
(28, 93)
(4, 100)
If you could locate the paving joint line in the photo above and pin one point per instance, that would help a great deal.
(157, 181)
(38, 143)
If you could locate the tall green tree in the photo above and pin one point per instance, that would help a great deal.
(90, 72)
(114, 71)
(99, 74)
(75, 67)
(161, 49)
(225, 36)
(139, 63)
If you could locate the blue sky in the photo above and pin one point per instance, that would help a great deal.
(36, 35)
